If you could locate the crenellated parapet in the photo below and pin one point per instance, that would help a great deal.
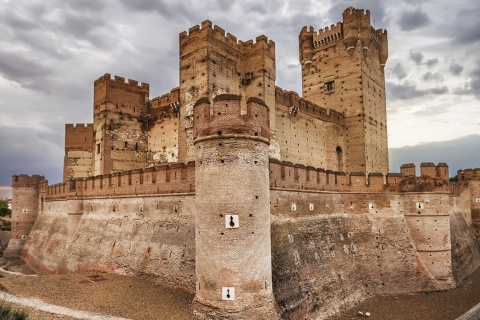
(120, 82)
(165, 179)
(116, 95)
(468, 174)
(224, 117)
(199, 35)
(327, 35)
(286, 175)
(24, 180)
(166, 100)
(292, 99)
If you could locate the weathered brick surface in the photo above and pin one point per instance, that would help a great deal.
(232, 179)
(78, 151)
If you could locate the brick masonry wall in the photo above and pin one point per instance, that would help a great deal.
(78, 151)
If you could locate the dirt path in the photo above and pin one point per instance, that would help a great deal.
(107, 294)
(53, 309)
(142, 298)
(447, 305)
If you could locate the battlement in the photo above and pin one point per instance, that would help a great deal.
(292, 99)
(206, 32)
(120, 81)
(328, 35)
(24, 180)
(166, 100)
(225, 117)
(165, 179)
(79, 126)
(356, 14)
(286, 175)
(468, 174)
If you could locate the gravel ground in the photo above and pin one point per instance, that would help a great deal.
(446, 305)
(123, 296)
(141, 297)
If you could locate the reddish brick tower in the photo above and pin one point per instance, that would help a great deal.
(25, 208)
(343, 69)
(120, 137)
(232, 201)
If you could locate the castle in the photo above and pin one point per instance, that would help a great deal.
(265, 204)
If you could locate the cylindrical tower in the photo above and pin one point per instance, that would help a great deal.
(25, 203)
(232, 201)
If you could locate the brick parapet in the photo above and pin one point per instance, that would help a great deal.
(166, 100)
(24, 180)
(292, 99)
(206, 32)
(285, 175)
(118, 81)
(468, 174)
(224, 117)
(167, 179)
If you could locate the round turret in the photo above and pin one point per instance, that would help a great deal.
(232, 202)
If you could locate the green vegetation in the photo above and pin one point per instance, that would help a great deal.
(5, 225)
(454, 179)
(6, 312)
(4, 210)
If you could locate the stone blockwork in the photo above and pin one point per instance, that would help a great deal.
(264, 203)
(128, 234)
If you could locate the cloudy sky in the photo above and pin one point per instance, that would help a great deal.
(52, 51)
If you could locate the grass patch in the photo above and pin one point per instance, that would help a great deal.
(6, 312)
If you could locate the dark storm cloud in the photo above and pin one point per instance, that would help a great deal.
(416, 56)
(398, 71)
(431, 62)
(472, 86)
(432, 76)
(402, 91)
(413, 19)
(410, 91)
(27, 72)
(170, 10)
(86, 5)
(467, 30)
(455, 68)
(475, 81)
(18, 23)
(30, 152)
(457, 153)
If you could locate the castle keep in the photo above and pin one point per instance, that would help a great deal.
(265, 204)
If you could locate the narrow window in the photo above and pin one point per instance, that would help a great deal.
(98, 147)
(339, 159)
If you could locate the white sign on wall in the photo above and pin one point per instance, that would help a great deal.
(231, 221)
(228, 293)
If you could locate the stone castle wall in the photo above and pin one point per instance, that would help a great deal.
(368, 240)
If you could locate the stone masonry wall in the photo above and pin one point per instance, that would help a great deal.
(129, 235)
(332, 250)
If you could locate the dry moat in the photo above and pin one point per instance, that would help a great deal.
(141, 297)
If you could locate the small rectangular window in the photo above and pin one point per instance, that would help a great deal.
(329, 86)
(98, 147)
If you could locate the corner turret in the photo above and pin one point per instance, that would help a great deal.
(25, 208)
